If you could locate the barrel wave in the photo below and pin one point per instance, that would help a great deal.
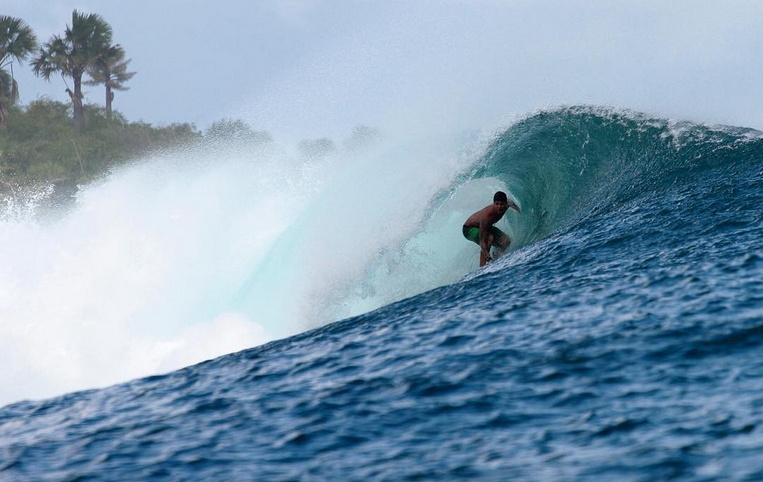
(572, 163)
(619, 339)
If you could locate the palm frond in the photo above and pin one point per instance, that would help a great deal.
(89, 35)
(17, 40)
(111, 69)
(78, 50)
(53, 57)
(121, 75)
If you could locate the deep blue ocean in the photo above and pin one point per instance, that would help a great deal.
(622, 341)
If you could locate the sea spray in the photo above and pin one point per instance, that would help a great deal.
(369, 236)
(193, 254)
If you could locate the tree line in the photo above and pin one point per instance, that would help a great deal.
(85, 48)
(65, 144)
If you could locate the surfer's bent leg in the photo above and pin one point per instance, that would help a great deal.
(490, 240)
(501, 241)
(504, 242)
(483, 257)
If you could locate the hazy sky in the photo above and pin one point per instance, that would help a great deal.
(318, 67)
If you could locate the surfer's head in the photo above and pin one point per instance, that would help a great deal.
(501, 201)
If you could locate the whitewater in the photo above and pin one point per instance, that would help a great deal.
(198, 253)
(619, 339)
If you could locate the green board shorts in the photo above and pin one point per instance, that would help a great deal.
(473, 234)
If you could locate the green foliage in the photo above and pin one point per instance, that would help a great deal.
(7, 87)
(39, 146)
(17, 41)
(317, 148)
(111, 69)
(83, 45)
(226, 130)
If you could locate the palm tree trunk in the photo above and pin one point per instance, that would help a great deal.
(3, 115)
(79, 109)
(109, 98)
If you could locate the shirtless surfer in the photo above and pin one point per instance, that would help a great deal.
(479, 227)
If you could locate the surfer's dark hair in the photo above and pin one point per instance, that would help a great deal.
(499, 197)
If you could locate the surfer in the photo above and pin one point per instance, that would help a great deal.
(479, 227)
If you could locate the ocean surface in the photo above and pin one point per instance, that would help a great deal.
(620, 339)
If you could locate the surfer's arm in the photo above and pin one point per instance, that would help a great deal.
(514, 206)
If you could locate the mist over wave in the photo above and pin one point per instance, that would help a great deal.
(194, 254)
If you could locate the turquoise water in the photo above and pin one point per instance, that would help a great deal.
(620, 339)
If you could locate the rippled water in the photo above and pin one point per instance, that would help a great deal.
(623, 341)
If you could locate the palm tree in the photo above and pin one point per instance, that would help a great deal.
(84, 43)
(17, 41)
(111, 71)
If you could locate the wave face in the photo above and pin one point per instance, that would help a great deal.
(619, 339)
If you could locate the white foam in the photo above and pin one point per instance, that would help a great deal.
(193, 255)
